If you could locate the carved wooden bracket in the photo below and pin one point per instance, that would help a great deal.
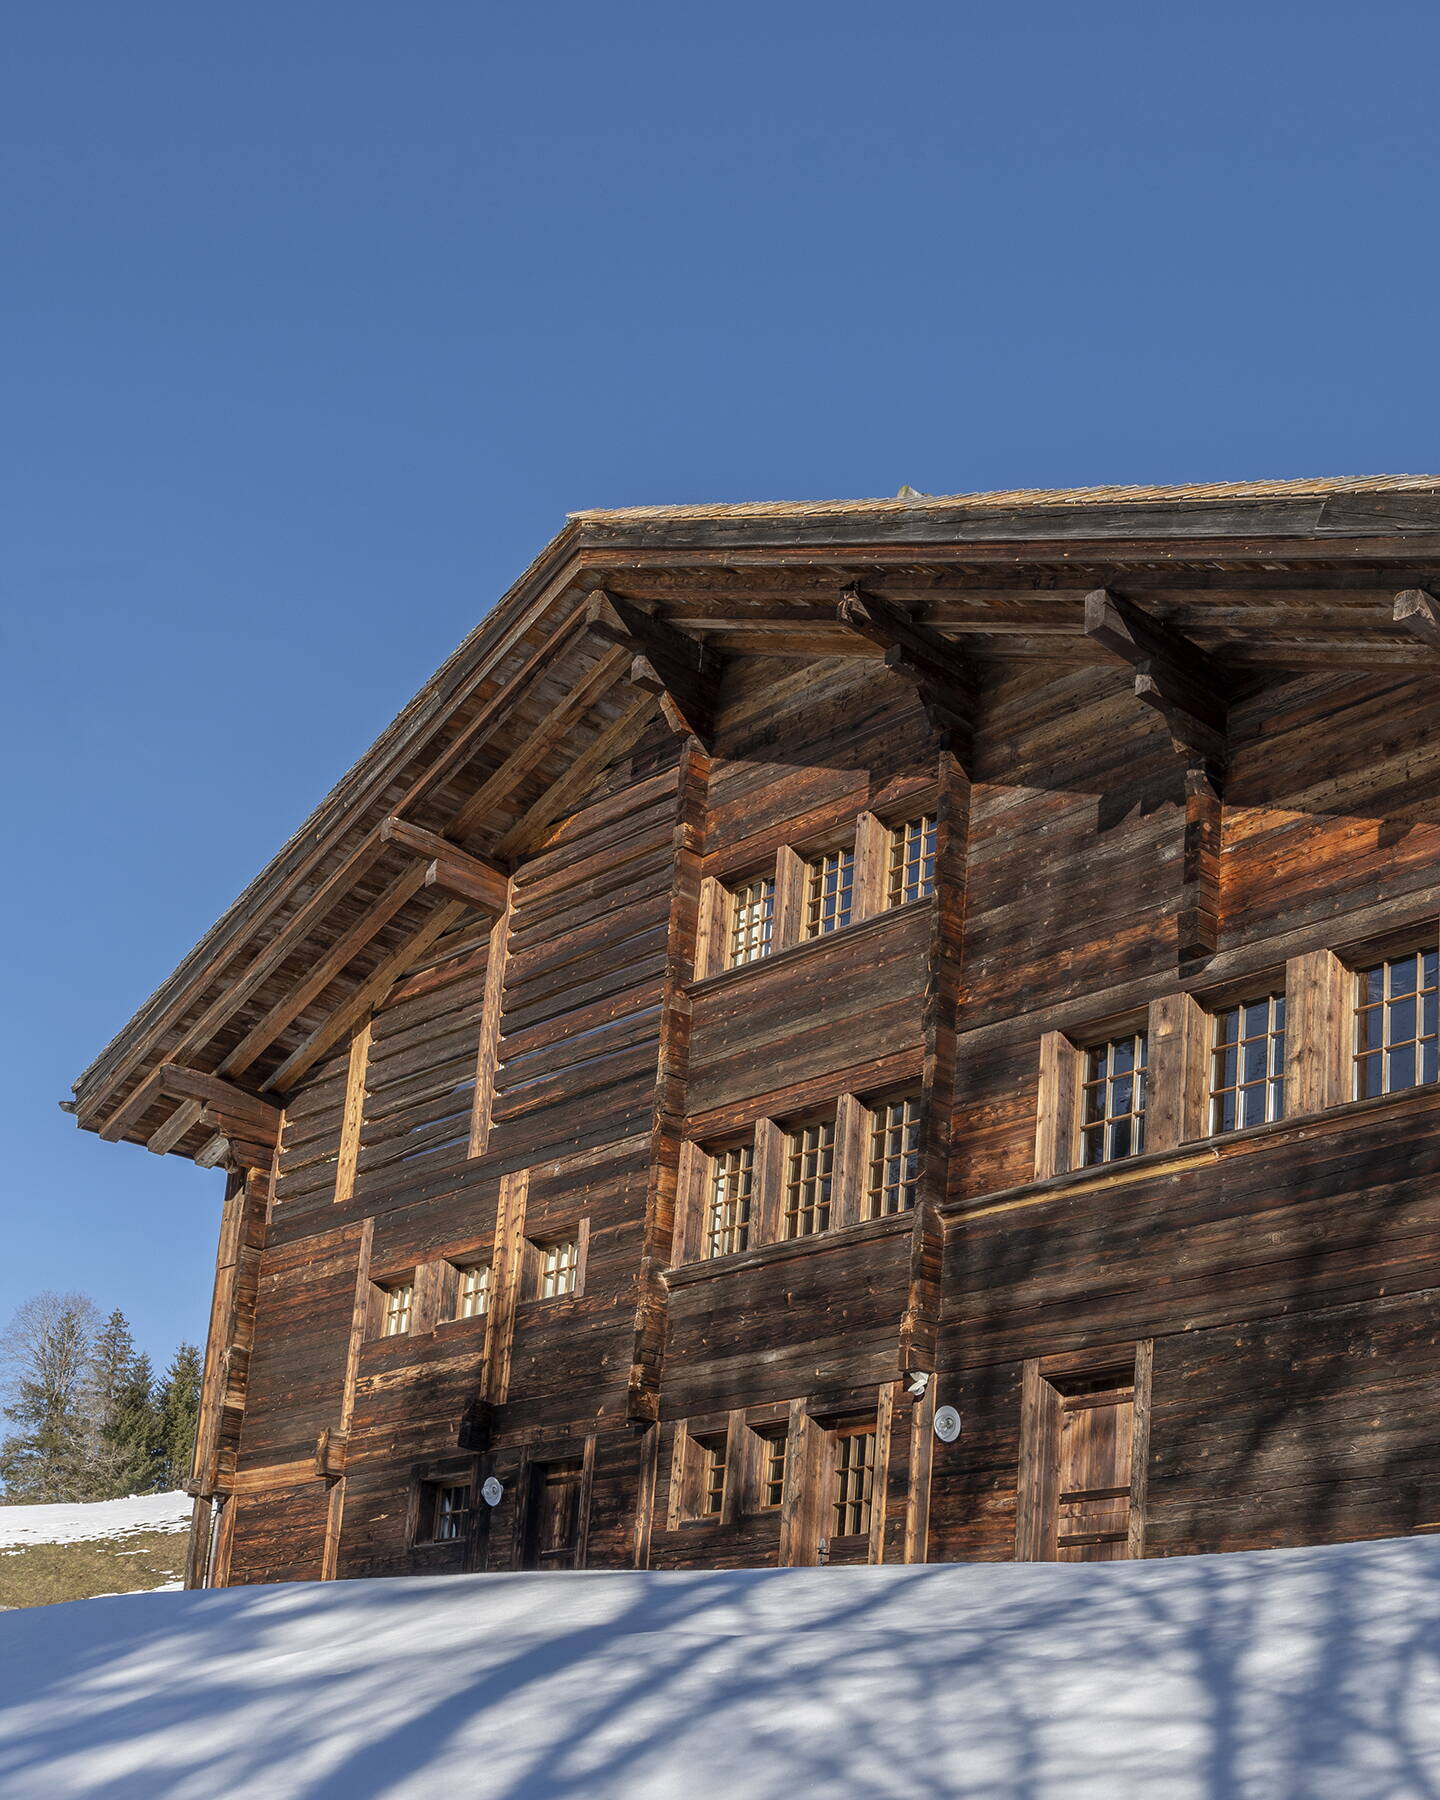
(245, 1126)
(664, 661)
(942, 676)
(452, 871)
(1184, 684)
(1419, 613)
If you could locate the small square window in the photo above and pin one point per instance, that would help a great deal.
(1247, 1083)
(559, 1267)
(751, 928)
(809, 1173)
(399, 1302)
(730, 1185)
(1112, 1115)
(893, 1179)
(444, 1512)
(830, 891)
(912, 861)
(472, 1291)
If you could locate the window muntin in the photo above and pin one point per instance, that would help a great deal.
(893, 1170)
(1112, 1108)
(853, 1482)
(712, 1476)
(730, 1182)
(1247, 1080)
(772, 1467)
(912, 861)
(472, 1292)
(559, 1268)
(452, 1513)
(1395, 1024)
(751, 930)
(809, 1175)
(829, 891)
(399, 1304)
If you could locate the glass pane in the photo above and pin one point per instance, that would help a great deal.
(1225, 1024)
(1123, 1055)
(1402, 975)
(1226, 1118)
(1369, 1075)
(1277, 1099)
(1121, 1094)
(1402, 1021)
(1402, 1067)
(1257, 1018)
(1428, 964)
(1427, 1015)
(1257, 1059)
(1279, 1011)
(1120, 1138)
(1372, 985)
(1094, 1144)
(1225, 1061)
(1372, 1026)
(1428, 1061)
(1094, 1104)
(1254, 1106)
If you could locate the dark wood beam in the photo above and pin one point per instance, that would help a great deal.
(1184, 684)
(452, 871)
(260, 1119)
(943, 677)
(664, 661)
(565, 791)
(1418, 612)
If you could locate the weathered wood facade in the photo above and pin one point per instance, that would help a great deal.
(693, 1046)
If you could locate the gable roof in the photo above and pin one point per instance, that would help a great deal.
(535, 703)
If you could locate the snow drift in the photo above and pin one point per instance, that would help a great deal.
(91, 1520)
(1271, 1675)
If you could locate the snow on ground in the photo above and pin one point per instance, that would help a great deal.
(84, 1522)
(1279, 1675)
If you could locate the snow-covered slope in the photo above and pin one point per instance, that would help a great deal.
(95, 1519)
(1273, 1676)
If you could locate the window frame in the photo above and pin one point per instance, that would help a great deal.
(1382, 1009)
(872, 1193)
(898, 860)
(839, 1502)
(795, 1180)
(761, 935)
(464, 1271)
(1110, 1118)
(743, 1201)
(1272, 1082)
(388, 1289)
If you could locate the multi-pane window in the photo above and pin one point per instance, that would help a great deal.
(854, 1477)
(830, 891)
(751, 921)
(559, 1268)
(893, 1177)
(731, 1180)
(912, 861)
(399, 1300)
(809, 1172)
(772, 1466)
(1247, 1082)
(1395, 1024)
(452, 1513)
(472, 1293)
(1112, 1110)
(712, 1476)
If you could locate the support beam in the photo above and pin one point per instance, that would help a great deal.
(942, 676)
(1184, 685)
(171, 1081)
(666, 662)
(1419, 613)
(452, 871)
(528, 832)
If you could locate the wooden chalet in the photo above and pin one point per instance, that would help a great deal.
(880, 1031)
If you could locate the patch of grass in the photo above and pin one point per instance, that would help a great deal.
(42, 1574)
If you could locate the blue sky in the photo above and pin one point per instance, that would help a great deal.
(316, 319)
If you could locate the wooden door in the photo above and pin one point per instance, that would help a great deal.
(1097, 1427)
(552, 1515)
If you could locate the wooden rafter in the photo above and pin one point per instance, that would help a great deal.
(551, 731)
(664, 661)
(618, 737)
(370, 993)
(943, 677)
(1418, 612)
(248, 1125)
(1179, 679)
(451, 870)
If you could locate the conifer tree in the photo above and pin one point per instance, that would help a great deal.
(122, 1423)
(179, 1410)
(46, 1356)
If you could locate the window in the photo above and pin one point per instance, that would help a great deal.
(444, 1512)
(752, 921)
(1112, 1111)
(1395, 1024)
(912, 861)
(727, 1212)
(772, 1467)
(472, 1295)
(712, 1476)
(809, 1170)
(559, 1268)
(399, 1301)
(830, 891)
(854, 1475)
(1247, 1084)
(894, 1167)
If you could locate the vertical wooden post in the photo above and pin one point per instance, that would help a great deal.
(507, 1273)
(789, 926)
(353, 1116)
(767, 1181)
(667, 1124)
(800, 1509)
(1140, 1446)
(1039, 1472)
(649, 1473)
(880, 1480)
(492, 1006)
(1319, 1029)
(1177, 1084)
(359, 1313)
(847, 1184)
(922, 1450)
(1198, 924)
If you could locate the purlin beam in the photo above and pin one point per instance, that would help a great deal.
(664, 661)
(944, 678)
(1418, 612)
(1183, 684)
